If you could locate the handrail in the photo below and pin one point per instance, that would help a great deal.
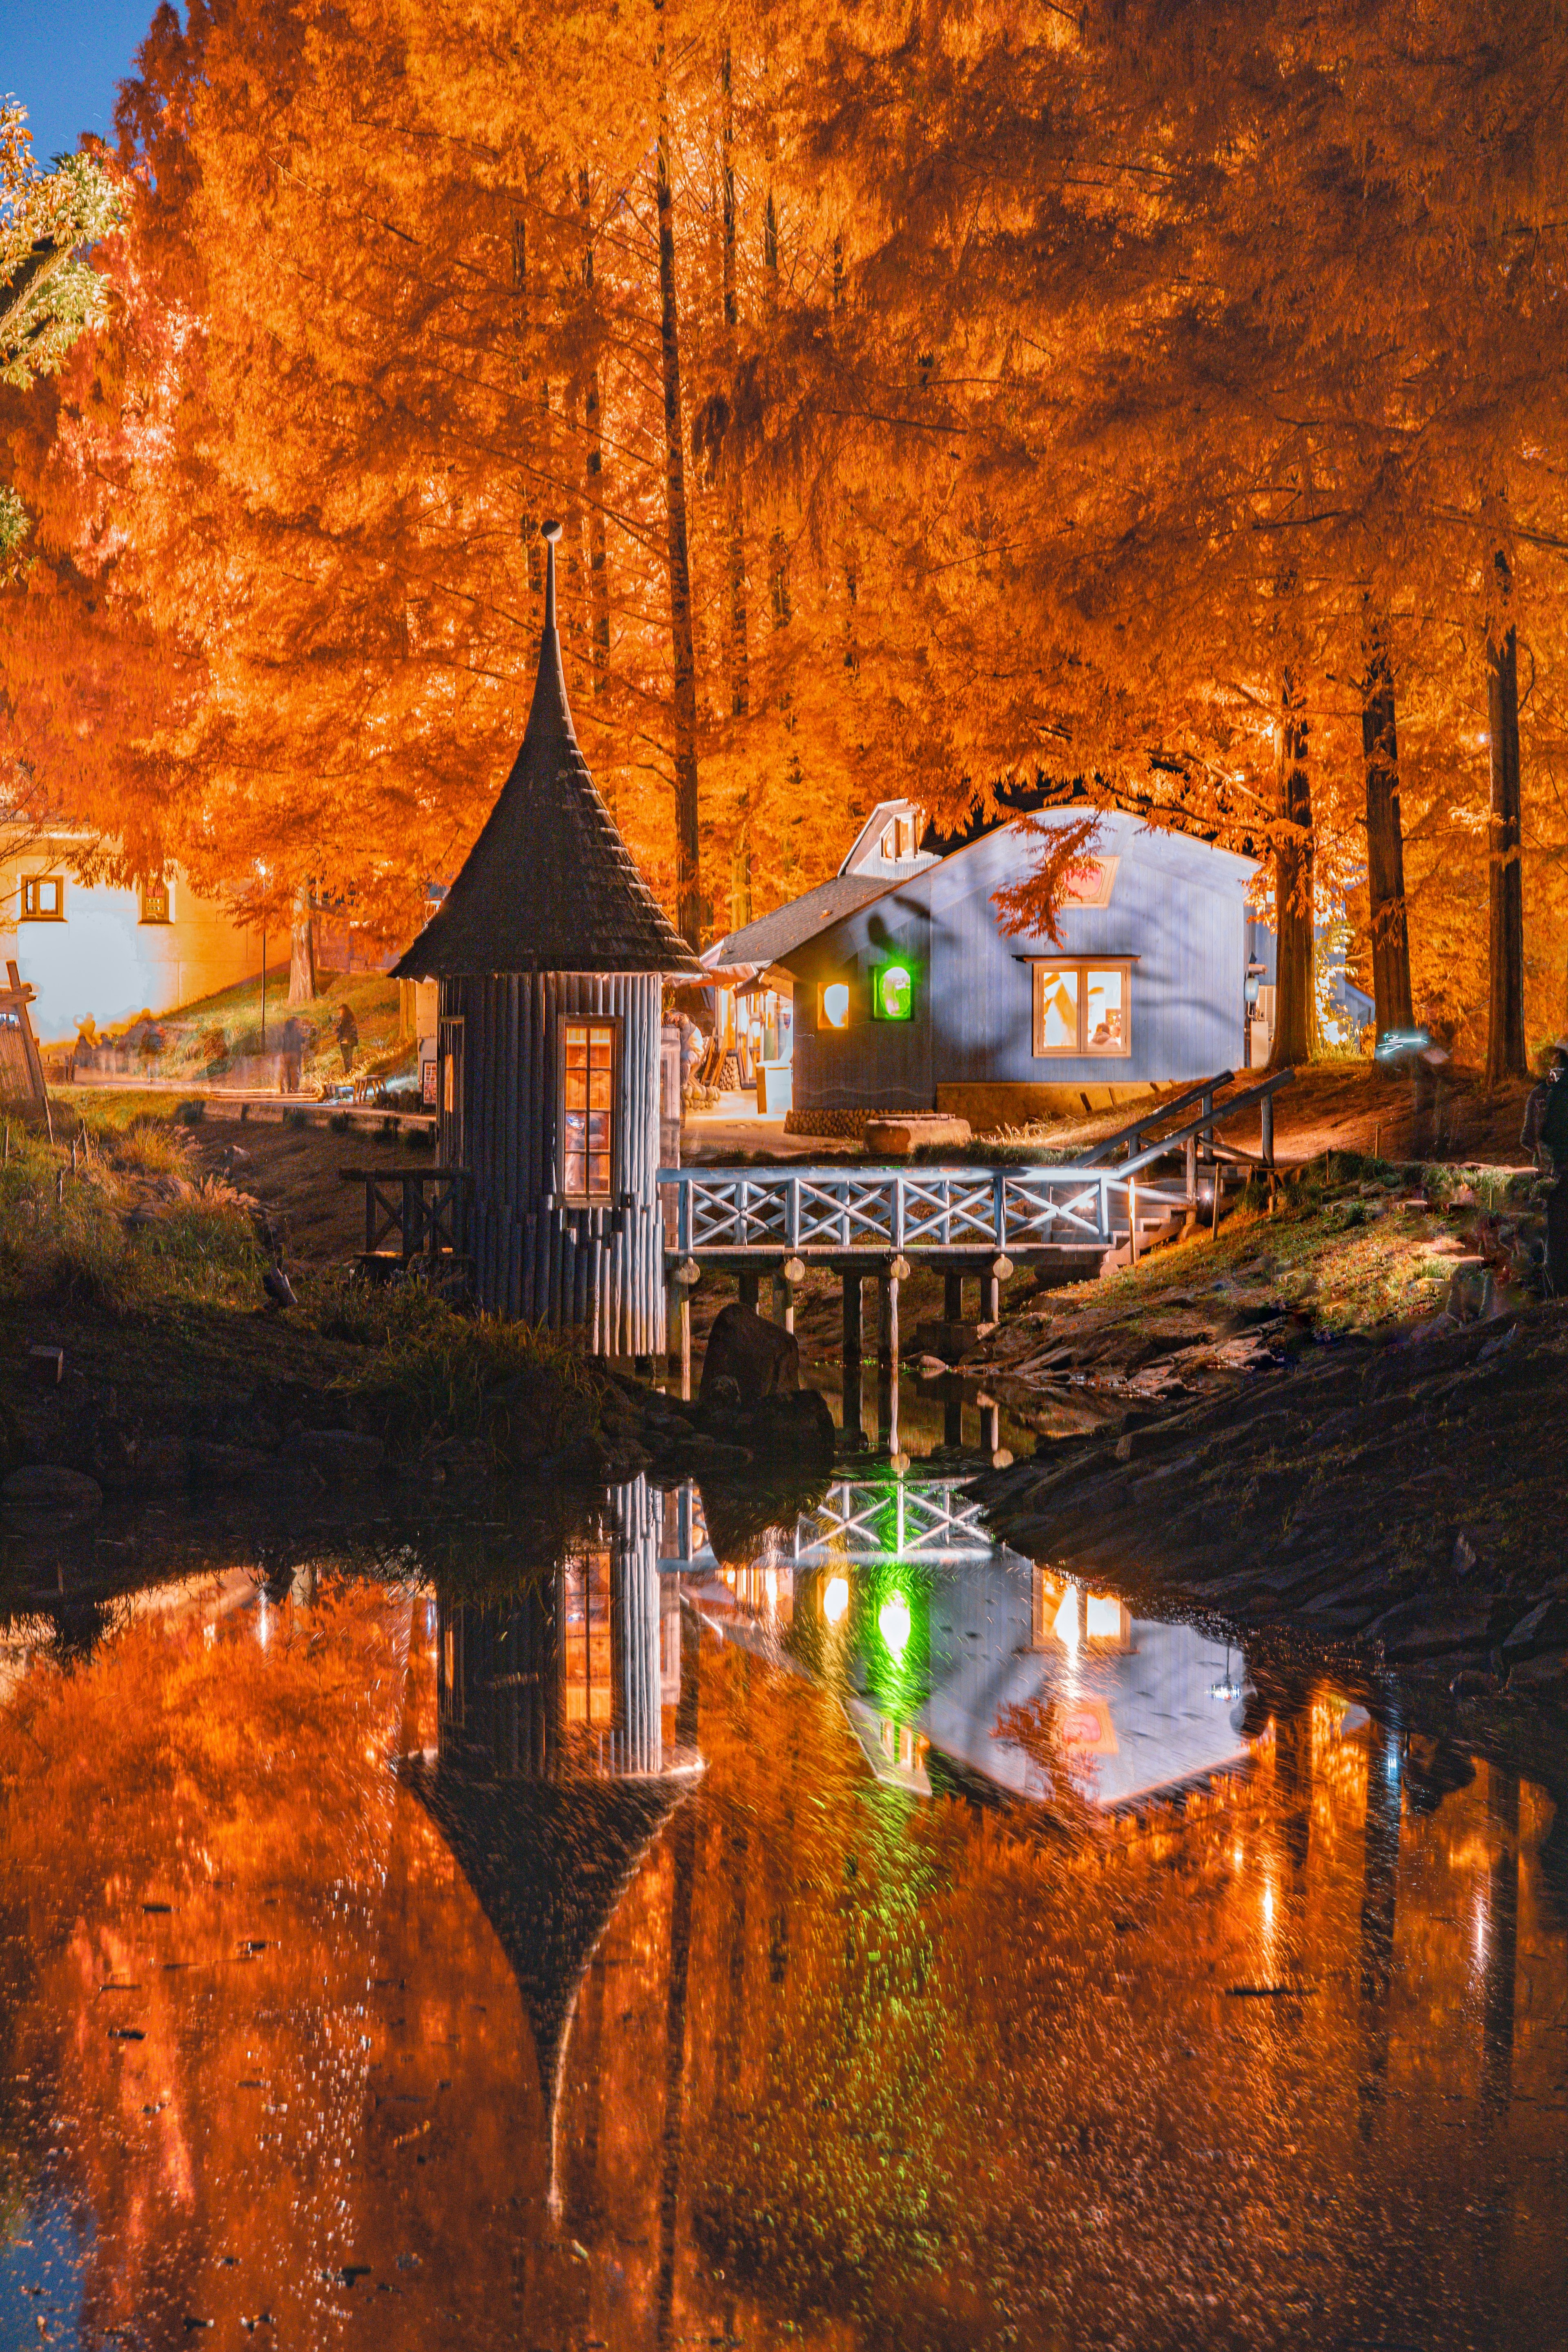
(906, 1206)
(1166, 1108)
(1264, 1093)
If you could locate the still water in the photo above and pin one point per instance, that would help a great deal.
(673, 1931)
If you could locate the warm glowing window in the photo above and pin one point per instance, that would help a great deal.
(833, 1007)
(43, 898)
(587, 1116)
(1083, 1009)
(157, 903)
(586, 1643)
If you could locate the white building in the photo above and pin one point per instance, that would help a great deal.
(88, 948)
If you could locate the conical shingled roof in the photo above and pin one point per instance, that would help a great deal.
(550, 1863)
(549, 886)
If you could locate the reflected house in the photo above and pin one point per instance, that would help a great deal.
(559, 1757)
(942, 1635)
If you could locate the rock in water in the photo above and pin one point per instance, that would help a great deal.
(761, 1358)
(49, 1486)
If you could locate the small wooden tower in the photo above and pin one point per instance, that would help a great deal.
(550, 950)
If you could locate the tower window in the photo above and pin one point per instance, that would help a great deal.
(587, 1121)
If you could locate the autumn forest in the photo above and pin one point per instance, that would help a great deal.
(1162, 403)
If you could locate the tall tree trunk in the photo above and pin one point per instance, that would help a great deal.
(1505, 1023)
(1384, 847)
(688, 848)
(302, 987)
(740, 678)
(1295, 1024)
(594, 467)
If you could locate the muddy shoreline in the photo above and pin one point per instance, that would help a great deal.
(1392, 1500)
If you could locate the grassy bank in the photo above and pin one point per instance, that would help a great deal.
(148, 1273)
(205, 1038)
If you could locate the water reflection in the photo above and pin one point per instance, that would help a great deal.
(372, 1951)
(559, 1757)
(950, 1651)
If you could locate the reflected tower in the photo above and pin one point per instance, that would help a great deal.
(557, 1762)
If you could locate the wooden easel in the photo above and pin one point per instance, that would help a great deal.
(21, 1064)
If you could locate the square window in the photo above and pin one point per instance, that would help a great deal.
(834, 1005)
(43, 898)
(1083, 1010)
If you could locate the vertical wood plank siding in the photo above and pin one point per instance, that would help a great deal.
(1177, 904)
(634, 1630)
(598, 1270)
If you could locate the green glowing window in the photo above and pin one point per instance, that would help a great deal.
(893, 992)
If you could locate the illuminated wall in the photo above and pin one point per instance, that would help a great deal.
(99, 956)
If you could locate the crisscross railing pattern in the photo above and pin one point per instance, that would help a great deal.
(858, 1522)
(1088, 1203)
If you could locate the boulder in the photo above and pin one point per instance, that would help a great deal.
(341, 1452)
(899, 1135)
(229, 1466)
(761, 1358)
(49, 1487)
(799, 1426)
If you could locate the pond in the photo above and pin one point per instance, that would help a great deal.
(667, 1921)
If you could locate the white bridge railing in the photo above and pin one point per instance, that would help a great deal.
(858, 1522)
(1089, 1203)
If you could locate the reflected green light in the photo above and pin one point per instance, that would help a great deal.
(893, 1623)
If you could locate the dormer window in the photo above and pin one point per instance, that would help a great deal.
(897, 843)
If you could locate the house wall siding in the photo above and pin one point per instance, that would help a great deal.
(1178, 905)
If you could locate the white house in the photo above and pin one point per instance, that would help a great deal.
(91, 948)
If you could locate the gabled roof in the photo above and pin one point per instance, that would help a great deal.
(549, 886)
(865, 851)
(771, 936)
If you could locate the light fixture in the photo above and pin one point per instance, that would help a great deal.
(1250, 987)
(835, 1598)
(835, 1005)
(893, 1623)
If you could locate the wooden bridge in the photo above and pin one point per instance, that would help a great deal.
(1074, 1218)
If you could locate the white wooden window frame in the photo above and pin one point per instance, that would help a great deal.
(1080, 1050)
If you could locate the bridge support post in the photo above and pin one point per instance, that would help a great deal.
(682, 1283)
(748, 1283)
(783, 1302)
(887, 1353)
(991, 1282)
(952, 1297)
(851, 1279)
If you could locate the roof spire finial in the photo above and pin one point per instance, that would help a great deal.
(549, 532)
